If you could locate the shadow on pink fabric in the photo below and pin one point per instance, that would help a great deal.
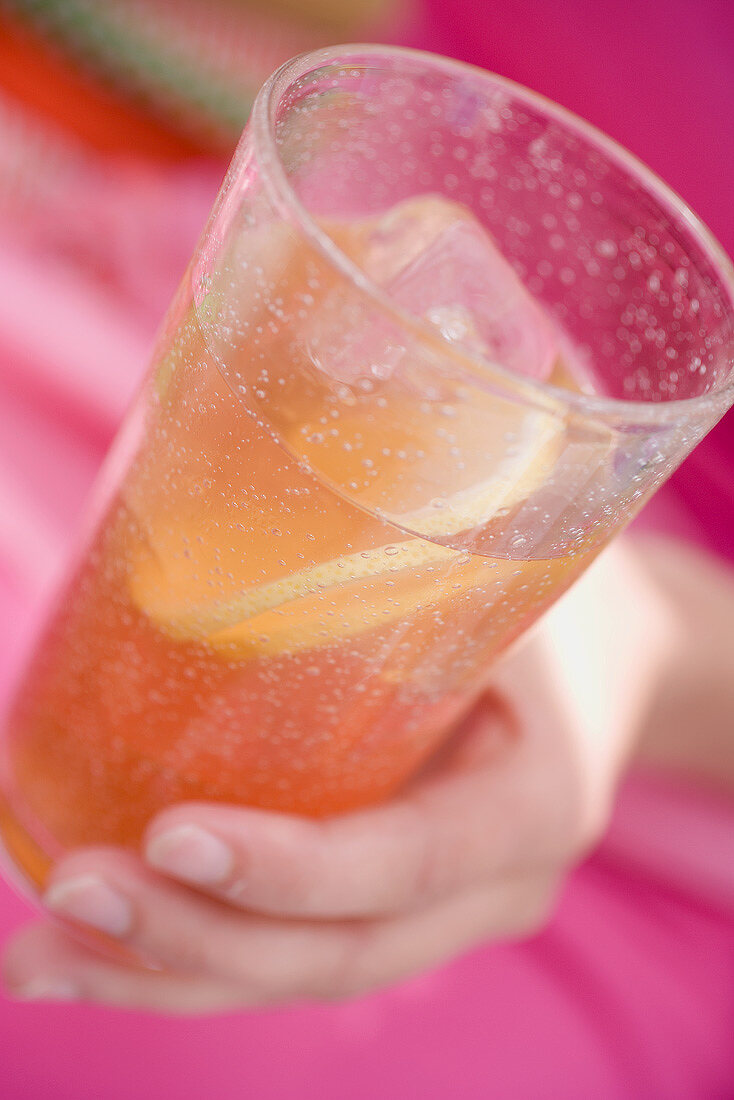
(629, 994)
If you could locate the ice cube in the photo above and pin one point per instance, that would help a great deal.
(439, 264)
(436, 261)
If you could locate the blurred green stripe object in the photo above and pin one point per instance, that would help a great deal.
(198, 64)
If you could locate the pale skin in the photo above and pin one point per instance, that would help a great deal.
(237, 908)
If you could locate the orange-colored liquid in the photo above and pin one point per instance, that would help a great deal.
(239, 631)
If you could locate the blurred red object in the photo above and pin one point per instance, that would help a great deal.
(42, 79)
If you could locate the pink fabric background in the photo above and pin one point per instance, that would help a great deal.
(630, 992)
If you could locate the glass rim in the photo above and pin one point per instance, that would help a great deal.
(597, 406)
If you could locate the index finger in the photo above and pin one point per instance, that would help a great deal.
(448, 832)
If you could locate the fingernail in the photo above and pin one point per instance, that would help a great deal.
(45, 989)
(90, 900)
(190, 853)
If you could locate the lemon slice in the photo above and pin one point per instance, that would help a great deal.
(345, 596)
(517, 479)
(191, 593)
(183, 591)
(212, 618)
(341, 599)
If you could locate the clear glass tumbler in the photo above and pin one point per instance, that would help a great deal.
(439, 342)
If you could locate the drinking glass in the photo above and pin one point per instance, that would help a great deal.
(439, 342)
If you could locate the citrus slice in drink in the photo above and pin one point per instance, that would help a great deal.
(434, 461)
(341, 597)
(309, 609)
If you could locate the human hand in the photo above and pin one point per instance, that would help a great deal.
(240, 907)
